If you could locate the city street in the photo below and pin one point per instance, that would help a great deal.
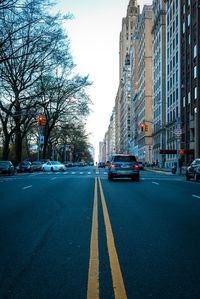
(77, 235)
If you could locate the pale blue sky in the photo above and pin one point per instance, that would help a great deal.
(94, 35)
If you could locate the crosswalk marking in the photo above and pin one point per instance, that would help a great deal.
(67, 173)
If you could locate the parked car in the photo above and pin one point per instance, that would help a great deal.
(68, 163)
(36, 166)
(24, 166)
(101, 165)
(6, 167)
(124, 165)
(193, 170)
(53, 166)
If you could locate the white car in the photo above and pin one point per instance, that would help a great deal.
(53, 166)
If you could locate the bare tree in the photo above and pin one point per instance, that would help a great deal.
(63, 100)
(35, 44)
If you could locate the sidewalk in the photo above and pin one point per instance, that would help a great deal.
(165, 170)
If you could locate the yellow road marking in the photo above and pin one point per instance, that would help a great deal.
(93, 275)
(118, 283)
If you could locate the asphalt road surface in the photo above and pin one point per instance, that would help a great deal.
(77, 235)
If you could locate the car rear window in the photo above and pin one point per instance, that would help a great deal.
(124, 158)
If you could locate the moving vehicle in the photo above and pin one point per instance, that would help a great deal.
(124, 165)
(53, 166)
(6, 167)
(193, 170)
(101, 165)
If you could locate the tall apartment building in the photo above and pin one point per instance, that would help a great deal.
(124, 98)
(173, 121)
(111, 137)
(190, 79)
(102, 151)
(117, 118)
(159, 81)
(125, 104)
(144, 97)
(128, 27)
(134, 92)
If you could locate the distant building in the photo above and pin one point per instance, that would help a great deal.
(144, 97)
(159, 80)
(134, 125)
(172, 80)
(124, 93)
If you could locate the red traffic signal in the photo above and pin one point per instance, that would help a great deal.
(41, 120)
(181, 152)
(142, 127)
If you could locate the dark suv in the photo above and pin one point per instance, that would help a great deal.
(124, 165)
(193, 171)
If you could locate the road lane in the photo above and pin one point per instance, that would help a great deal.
(118, 283)
(45, 234)
(156, 230)
(44, 237)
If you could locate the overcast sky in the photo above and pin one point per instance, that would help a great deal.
(94, 35)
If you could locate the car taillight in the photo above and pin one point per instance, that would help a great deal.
(136, 166)
(113, 165)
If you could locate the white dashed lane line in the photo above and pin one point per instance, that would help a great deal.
(27, 187)
(196, 196)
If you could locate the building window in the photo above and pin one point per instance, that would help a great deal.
(195, 72)
(183, 101)
(195, 51)
(195, 93)
(189, 98)
(189, 39)
(183, 28)
(188, 19)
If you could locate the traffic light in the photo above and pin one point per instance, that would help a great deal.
(142, 127)
(146, 128)
(181, 152)
(41, 120)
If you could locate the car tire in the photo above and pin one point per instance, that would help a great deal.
(187, 177)
(110, 178)
(196, 178)
(137, 179)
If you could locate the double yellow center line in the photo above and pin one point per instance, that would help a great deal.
(93, 275)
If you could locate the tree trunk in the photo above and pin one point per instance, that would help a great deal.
(6, 148)
(18, 146)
